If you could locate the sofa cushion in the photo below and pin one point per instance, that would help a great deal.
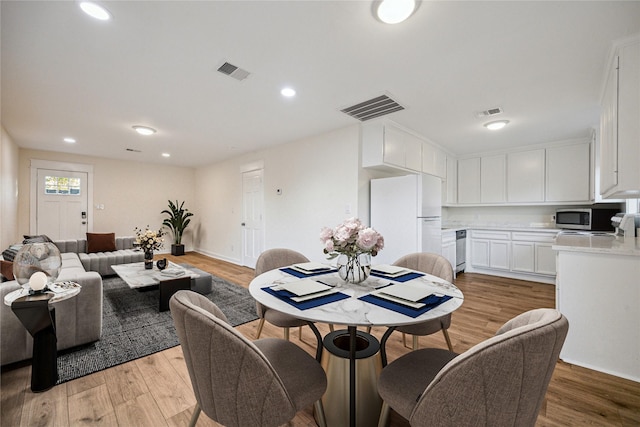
(101, 242)
(6, 269)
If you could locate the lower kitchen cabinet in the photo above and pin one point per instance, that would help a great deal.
(449, 247)
(490, 249)
(522, 255)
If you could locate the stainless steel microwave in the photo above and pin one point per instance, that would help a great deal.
(594, 219)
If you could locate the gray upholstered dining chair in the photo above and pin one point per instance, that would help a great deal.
(500, 382)
(238, 382)
(435, 265)
(267, 261)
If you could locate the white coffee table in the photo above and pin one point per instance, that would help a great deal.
(137, 277)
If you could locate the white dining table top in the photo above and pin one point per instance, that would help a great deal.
(352, 311)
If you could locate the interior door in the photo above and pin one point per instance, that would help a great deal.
(252, 217)
(61, 204)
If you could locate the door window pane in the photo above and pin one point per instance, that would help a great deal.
(61, 185)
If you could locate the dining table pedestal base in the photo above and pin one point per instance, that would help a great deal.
(336, 361)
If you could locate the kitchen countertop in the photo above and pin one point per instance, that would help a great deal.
(606, 244)
(505, 227)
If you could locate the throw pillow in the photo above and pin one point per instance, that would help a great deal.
(40, 238)
(10, 253)
(101, 242)
(6, 269)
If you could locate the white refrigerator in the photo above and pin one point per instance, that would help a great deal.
(407, 210)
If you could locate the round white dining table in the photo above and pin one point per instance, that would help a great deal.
(351, 310)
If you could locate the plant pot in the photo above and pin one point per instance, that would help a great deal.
(177, 249)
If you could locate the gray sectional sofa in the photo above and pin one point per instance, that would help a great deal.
(78, 319)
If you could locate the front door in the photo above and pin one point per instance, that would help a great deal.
(62, 201)
(252, 217)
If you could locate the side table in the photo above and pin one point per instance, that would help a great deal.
(37, 313)
(39, 319)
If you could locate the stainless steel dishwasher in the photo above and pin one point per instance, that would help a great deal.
(461, 250)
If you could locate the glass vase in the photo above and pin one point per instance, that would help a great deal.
(148, 260)
(354, 269)
(34, 257)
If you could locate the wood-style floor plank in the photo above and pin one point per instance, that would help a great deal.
(157, 390)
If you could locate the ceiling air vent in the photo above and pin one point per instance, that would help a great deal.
(133, 150)
(233, 71)
(489, 112)
(373, 108)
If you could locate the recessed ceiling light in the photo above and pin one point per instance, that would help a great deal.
(144, 130)
(166, 155)
(395, 11)
(288, 92)
(69, 140)
(95, 11)
(498, 124)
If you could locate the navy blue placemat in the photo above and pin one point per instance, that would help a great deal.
(302, 275)
(403, 278)
(303, 305)
(430, 302)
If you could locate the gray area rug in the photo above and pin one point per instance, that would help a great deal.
(132, 326)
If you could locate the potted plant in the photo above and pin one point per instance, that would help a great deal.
(177, 222)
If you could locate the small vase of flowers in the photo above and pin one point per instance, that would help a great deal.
(149, 241)
(353, 244)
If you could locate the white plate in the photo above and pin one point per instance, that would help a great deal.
(311, 266)
(315, 295)
(406, 292)
(305, 287)
(398, 300)
(389, 270)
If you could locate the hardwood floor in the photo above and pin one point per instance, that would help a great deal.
(156, 390)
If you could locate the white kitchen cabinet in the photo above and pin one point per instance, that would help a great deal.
(386, 146)
(451, 183)
(449, 247)
(525, 176)
(568, 177)
(469, 180)
(526, 255)
(545, 259)
(493, 171)
(490, 249)
(532, 253)
(620, 124)
(523, 257)
(434, 160)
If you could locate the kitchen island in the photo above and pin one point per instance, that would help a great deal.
(598, 290)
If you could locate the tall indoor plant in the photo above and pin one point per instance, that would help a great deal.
(177, 222)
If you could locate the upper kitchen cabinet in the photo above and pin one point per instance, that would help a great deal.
(387, 146)
(525, 176)
(450, 193)
(469, 181)
(434, 161)
(620, 123)
(568, 177)
(493, 188)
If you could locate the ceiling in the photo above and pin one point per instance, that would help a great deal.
(66, 74)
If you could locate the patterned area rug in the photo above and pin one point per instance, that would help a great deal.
(132, 326)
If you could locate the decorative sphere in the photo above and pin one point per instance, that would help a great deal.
(34, 257)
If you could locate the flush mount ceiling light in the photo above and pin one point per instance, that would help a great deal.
(288, 92)
(166, 155)
(69, 140)
(144, 130)
(498, 124)
(395, 11)
(95, 10)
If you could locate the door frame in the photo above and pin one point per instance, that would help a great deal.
(36, 164)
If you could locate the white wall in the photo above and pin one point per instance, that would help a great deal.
(9, 154)
(133, 194)
(319, 178)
